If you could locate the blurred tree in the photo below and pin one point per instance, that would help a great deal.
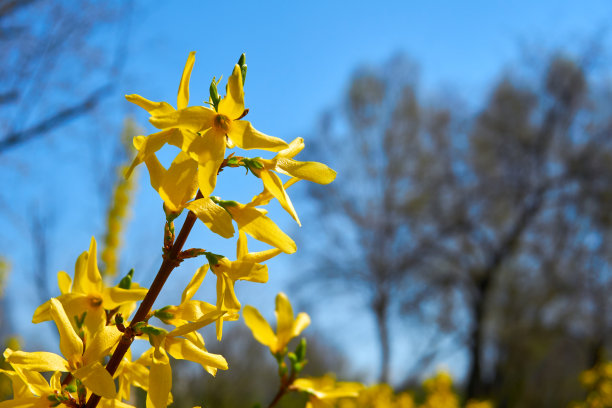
(502, 219)
(44, 46)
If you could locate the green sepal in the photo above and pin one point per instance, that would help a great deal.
(300, 350)
(170, 215)
(214, 94)
(213, 259)
(71, 388)
(126, 281)
(243, 66)
(233, 161)
(79, 321)
(152, 330)
(163, 315)
(252, 164)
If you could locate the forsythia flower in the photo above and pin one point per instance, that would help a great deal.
(89, 294)
(82, 362)
(201, 133)
(246, 267)
(160, 373)
(440, 392)
(283, 163)
(324, 391)
(286, 328)
(379, 396)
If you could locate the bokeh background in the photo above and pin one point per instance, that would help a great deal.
(469, 228)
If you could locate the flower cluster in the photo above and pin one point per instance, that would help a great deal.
(95, 321)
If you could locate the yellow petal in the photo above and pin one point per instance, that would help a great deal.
(64, 281)
(40, 361)
(42, 313)
(71, 344)
(265, 196)
(154, 108)
(183, 93)
(226, 297)
(192, 309)
(179, 184)
(254, 222)
(248, 271)
(284, 320)
(148, 145)
(209, 151)
(246, 137)
(296, 146)
(259, 326)
(194, 118)
(198, 324)
(213, 216)
(33, 380)
(301, 322)
(185, 350)
(232, 104)
(160, 381)
(97, 379)
(101, 344)
(26, 402)
(194, 284)
(156, 171)
(116, 296)
(311, 171)
(274, 185)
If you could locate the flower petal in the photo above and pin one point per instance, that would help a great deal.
(97, 379)
(209, 151)
(101, 344)
(274, 185)
(64, 281)
(246, 137)
(284, 320)
(116, 296)
(254, 222)
(185, 350)
(213, 216)
(154, 108)
(71, 344)
(311, 171)
(183, 93)
(194, 118)
(194, 284)
(232, 103)
(40, 361)
(198, 324)
(259, 326)
(160, 381)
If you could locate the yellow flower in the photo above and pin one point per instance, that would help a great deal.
(89, 294)
(160, 373)
(250, 219)
(283, 163)
(324, 391)
(287, 327)
(131, 373)
(246, 267)
(82, 362)
(199, 131)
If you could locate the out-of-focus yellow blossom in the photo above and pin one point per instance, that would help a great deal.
(440, 392)
(479, 404)
(598, 383)
(324, 391)
(378, 396)
(81, 360)
(89, 294)
(287, 327)
(283, 163)
(160, 373)
(246, 267)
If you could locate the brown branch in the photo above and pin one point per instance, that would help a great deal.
(170, 262)
(59, 118)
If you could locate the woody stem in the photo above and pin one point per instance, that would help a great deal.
(170, 262)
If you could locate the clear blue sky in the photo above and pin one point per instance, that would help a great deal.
(300, 57)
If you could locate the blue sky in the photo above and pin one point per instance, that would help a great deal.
(300, 57)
